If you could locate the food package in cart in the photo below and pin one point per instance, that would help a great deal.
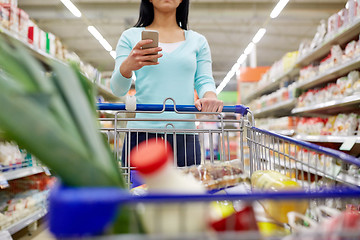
(272, 181)
(218, 175)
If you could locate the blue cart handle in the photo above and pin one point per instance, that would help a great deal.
(169, 108)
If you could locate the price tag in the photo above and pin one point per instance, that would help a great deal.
(5, 235)
(348, 144)
(47, 171)
(3, 182)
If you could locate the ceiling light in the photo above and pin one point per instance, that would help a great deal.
(278, 8)
(249, 48)
(113, 54)
(226, 80)
(242, 59)
(72, 8)
(100, 38)
(258, 36)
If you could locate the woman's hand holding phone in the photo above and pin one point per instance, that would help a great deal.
(139, 58)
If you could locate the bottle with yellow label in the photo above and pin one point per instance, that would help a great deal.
(273, 181)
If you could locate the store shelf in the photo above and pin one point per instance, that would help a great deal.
(284, 132)
(327, 139)
(341, 176)
(334, 73)
(26, 221)
(346, 35)
(331, 107)
(275, 84)
(45, 57)
(279, 109)
(22, 172)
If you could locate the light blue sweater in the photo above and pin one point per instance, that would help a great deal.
(186, 68)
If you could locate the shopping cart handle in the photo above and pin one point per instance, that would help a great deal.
(169, 108)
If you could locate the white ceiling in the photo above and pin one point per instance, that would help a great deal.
(229, 26)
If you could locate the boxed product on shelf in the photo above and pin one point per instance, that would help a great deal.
(50, 44)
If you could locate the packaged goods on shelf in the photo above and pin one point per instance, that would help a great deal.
(344, 86)
(277, 124)
(319, 36)
(9, 2)
(282, 94)
(15, 207)
(4, 17)
(279, 68)
(330, 28)
(218, 175)
(340, 125)
(10, 156)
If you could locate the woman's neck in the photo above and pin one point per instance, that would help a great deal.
(164, 21)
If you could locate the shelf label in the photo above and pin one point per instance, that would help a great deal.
(348, 144)
(5, 235)
(3, 182)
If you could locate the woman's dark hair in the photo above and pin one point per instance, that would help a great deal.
(146, 15)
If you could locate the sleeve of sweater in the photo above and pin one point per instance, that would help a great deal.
(119, 84)
(204, 80)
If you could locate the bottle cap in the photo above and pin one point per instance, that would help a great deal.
(151, 155)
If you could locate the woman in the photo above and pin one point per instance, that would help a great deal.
(184, 64)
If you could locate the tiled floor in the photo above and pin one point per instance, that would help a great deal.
(41, 233)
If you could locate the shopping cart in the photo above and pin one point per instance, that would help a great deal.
(328, 177)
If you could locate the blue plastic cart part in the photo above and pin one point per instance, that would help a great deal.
(83, 211)
(169, 108)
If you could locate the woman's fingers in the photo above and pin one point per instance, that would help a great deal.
(149, 57)
(141, 43)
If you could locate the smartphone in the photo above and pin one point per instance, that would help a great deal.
(154, 35)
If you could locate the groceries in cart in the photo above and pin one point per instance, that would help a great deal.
(215, 176)
(273, 181)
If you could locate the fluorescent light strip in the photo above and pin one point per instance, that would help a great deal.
(100, 38)
(113, 54)
(259, 35)
(278, 8)
(72, 8)
(249, 48)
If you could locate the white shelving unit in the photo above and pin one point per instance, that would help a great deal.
(334, 105)
(343, 37)
(22, 172)
(327, 139)
(26, 221)
(341, 176)
(281, 108)
(273, 85)
(44, 57)
(334, 73)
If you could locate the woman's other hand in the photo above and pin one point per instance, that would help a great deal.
(209, 103)
(139, 57)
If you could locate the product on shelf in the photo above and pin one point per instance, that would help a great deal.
(273, 181)
(4, 17)
(277, 124)
(340, 125)
(344, 86)
(218, 175)
(10, 156)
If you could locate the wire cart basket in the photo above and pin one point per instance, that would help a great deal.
(328, 179)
